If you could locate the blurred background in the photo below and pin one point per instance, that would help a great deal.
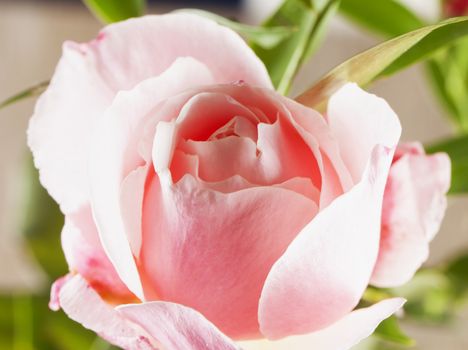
(31, 35)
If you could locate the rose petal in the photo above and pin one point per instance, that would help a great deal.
(131, 51)
(414, 205)
(335, 177)
(359, 121)
(59, 131)
(195, 254)
(82, 304)
(284, 154)
(176, 326)
(85, 255)
(240, 153)
(325, 270)
(341, 335)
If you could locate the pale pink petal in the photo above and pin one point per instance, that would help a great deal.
(302, 186)
(325, 270)
(359, 121)
(131, 202)
(59, 131)
(54, 302)
(414, 205)
(239, 126)
(85, 255)
(176, 326)
(203, 246)
(284, 154)
(342, 335)
(226, 157)
(335, 177)
(83, 305)
(414, 148)
(116, 153)
(432, 204)
(131, 51)
(164, 147)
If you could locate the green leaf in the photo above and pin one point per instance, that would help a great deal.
(457, 149)
(308, 17)
(390, 330)
(430, 296)
(26, 323)
(42, 223)
(386, 58)
(435, 70)
(33, 91)
(457, 272)
(265, 37)
(437, 36)
(449, 70)
(387, 17)
(109, 11)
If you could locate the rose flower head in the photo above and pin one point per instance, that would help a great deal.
(203, 210)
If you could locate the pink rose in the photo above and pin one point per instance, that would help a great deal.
(414, 205)
(203, 208)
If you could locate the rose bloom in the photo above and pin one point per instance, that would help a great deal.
(203, 210)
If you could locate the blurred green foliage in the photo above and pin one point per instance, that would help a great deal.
(389, 330)
(109, 11)
(448, 71)
(436, 295)
(309, 18)
(389, 18)
(26, 323)
(42, 224)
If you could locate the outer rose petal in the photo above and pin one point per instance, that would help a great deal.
(176, 326)
(82, 304)
(59, 131)
(414, 205)
(85, 255)
(124, 54)
(325, 270)
(133, 50)
(341, 335)
(359, 121)
(148, 326)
